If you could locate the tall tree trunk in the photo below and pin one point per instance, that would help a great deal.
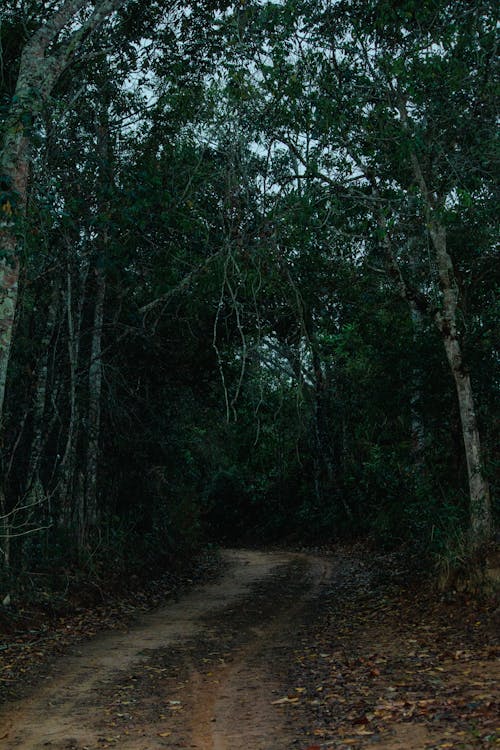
(105, 176)
(14, 166)
(417, 421)
(41, 392)
(416, 399)
(481, 523)
(72, 502)
(94, 412)
(40, 68)
(4, 531)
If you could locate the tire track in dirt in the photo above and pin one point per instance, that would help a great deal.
(231, 709)
(236, 708)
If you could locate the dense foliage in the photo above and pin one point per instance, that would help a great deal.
(233, 290)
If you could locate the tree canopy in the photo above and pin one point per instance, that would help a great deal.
(248, 277)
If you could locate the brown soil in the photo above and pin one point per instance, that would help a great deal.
(116, 690)
(286, 651)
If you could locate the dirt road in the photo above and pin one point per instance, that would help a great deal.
(200, 673)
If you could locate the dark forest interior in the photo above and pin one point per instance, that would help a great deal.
(248, 282)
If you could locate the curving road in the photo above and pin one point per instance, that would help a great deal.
(206, 672)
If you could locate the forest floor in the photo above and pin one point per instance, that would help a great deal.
(284, 651)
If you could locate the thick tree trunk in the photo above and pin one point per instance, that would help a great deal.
(9, 281)
(14, 166)
(480, 510)
(40, 68)
(481, 523)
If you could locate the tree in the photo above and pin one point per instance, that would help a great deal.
(45, 56)
(393, 106)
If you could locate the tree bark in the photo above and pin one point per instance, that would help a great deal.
(105, 175)
(41, 392)
(480, 515)
(42, 62)
(14, 166)
(481, 522)
(94, 413)
(72, 503)
(417, 421)
(4, 532)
